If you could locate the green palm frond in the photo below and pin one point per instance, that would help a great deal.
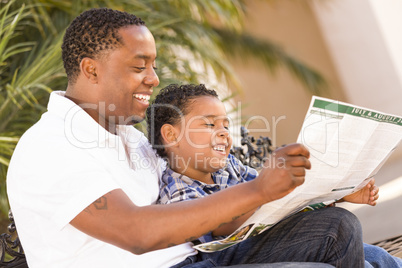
(3, 192)
(9, 22)
(192, 36)
(7, 145)
(34, 80)
(29, 69)
(211, 32)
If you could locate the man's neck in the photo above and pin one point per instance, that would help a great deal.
(92, 110)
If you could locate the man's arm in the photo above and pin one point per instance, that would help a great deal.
(113, 218)
(230, 227)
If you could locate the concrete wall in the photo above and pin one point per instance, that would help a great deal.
(364, 40)
(279, 97)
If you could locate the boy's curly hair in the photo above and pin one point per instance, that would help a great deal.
(94, 31)
(169, 106)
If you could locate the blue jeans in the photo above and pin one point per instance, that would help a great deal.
(377, 257)
(327, 236)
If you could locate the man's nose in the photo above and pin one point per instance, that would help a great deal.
(152, 78)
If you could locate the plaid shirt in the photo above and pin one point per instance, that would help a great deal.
(176, 187)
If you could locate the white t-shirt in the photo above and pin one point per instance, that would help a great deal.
(64, 163)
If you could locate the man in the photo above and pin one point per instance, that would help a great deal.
(83, 182)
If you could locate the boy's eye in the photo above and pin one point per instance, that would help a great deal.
(210, 125)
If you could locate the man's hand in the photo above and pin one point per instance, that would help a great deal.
(284, 171)
(367, 195)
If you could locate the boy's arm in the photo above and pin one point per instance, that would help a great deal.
(116, 220)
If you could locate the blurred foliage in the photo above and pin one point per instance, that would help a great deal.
(191, 35)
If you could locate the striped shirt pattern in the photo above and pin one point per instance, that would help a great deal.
(176, 187)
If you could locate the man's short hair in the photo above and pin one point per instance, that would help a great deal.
(92, 33)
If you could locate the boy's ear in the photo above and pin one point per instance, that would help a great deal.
(169, 134)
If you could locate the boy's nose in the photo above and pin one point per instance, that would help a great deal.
(223, 133)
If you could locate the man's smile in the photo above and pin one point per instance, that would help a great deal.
(142, 98)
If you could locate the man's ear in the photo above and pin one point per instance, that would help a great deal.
(88, 69)
(169, 135)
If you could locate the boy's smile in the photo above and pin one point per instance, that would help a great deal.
(221, 148)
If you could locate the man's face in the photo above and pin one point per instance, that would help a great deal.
(126, 77)
(204, 141)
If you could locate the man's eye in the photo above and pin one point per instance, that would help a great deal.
(140, 68)
(210, 125)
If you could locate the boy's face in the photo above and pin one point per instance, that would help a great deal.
(203, 140)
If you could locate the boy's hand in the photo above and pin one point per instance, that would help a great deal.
(367, 195)
(284, 171)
